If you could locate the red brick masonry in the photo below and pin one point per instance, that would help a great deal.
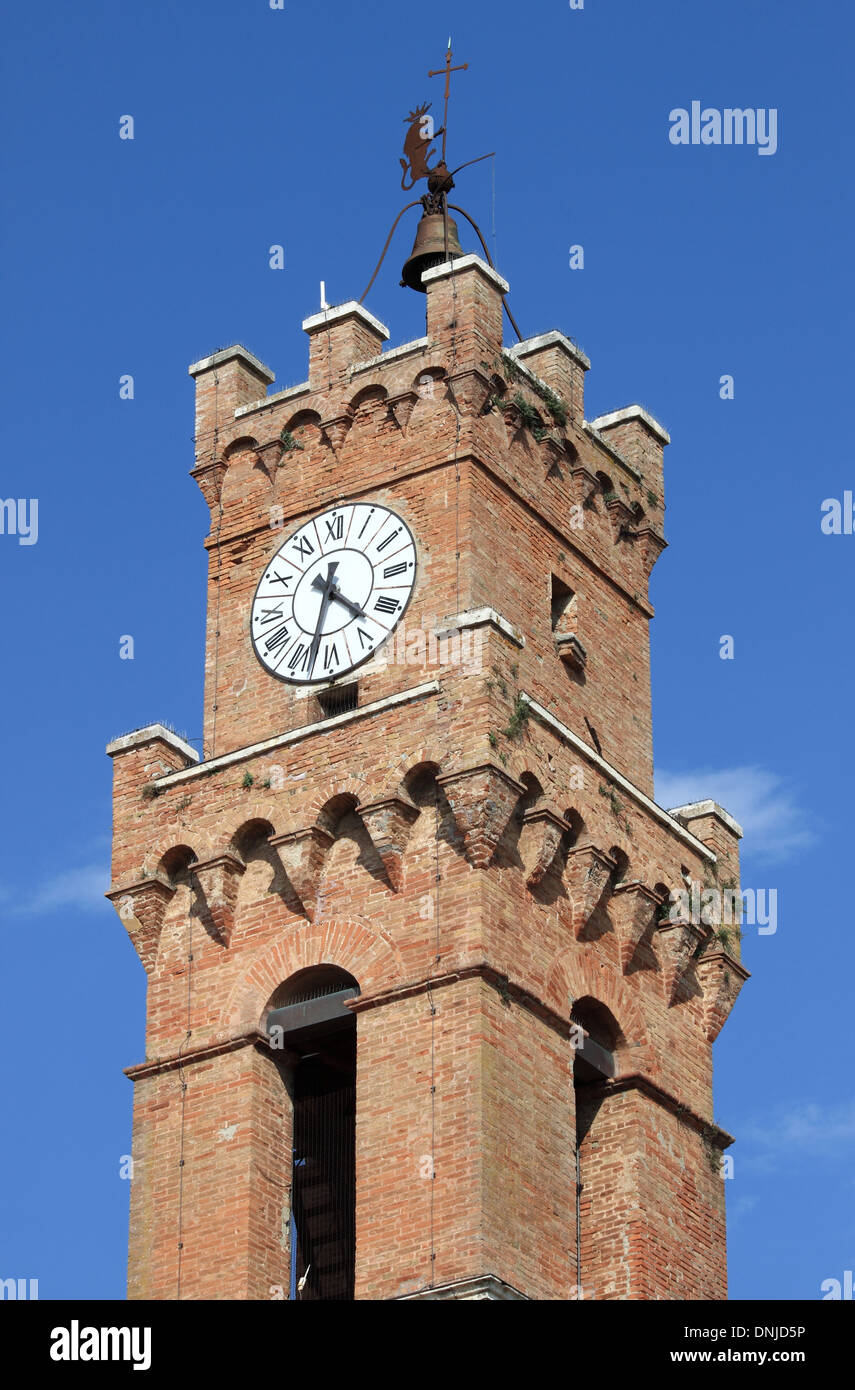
(456, 843)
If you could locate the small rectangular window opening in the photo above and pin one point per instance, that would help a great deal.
(563, 606)
(339, 700)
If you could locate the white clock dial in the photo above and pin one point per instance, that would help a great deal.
(333, 592)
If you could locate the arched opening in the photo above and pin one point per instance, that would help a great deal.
(250, 839)
(595, 1060)
(531, 796)
(594, 1063)
(175, 864)
(620, 872)
(309, 1018)
(576, 823)
(428, 383)
(667, 901)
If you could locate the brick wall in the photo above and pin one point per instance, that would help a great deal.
(470, 858)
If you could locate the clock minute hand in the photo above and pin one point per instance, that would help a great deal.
(326, 587)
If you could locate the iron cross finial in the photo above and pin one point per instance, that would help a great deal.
(448, 70)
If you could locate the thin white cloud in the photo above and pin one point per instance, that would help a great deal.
(787, 1136)
(818, 1129)
(78, 889)
(739, 1208)
(766, 808)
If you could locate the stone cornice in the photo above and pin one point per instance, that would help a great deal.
(352, 309)
(287, 394)
(479, 1287)
(237, 350)
(155, 1066)
(628, 413)
(699, 810)
(479, 617)
(460, 265)
(152, 733)
(481, 969)
(252, 750)
(627, 1081)
(553, 338)
(640, 1081)
(664, 817)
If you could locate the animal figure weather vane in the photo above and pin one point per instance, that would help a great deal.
(436, 240)
(421, 130)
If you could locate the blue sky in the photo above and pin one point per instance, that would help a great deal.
(255, 127)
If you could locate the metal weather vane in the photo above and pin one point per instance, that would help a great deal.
(436, 237)
(448, 70)
(417, 146)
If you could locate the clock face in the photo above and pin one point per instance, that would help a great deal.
(332, 593)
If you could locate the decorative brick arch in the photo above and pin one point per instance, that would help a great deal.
(577, 975)
(362, 951)
(196, 841)
(243, 444)
(345, 786)
(374, 393)
(520, 766)
(401, 768)
(258, 809)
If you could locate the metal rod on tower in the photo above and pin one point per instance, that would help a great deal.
(448, 70)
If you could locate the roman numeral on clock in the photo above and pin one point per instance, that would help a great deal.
(385, 604)
(330, 656)
(335, 528)
(388, 540)
(304, 547)
(391, 570)
(270, 615)
(300, 657)
(283, 579)
(276, 639)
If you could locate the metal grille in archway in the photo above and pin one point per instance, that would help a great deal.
(324, 1178)
(322, 1032)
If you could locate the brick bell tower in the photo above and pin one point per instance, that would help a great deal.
(423, 1022)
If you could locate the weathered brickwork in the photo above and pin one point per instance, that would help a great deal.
(475, 844)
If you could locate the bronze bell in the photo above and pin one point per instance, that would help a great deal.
(429, 248)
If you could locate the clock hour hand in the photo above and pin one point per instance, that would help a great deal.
(335, 592)
(326, 588)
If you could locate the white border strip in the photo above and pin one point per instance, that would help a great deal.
(632, 412)
(461, 263)
(151, 733)
(252, 750)
(593, 756)
(479, 617)
(546, 340)
(226, 355)
(392, 355)
(301, 389)
(336, 312)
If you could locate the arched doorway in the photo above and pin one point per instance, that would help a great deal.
(308, 1017)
